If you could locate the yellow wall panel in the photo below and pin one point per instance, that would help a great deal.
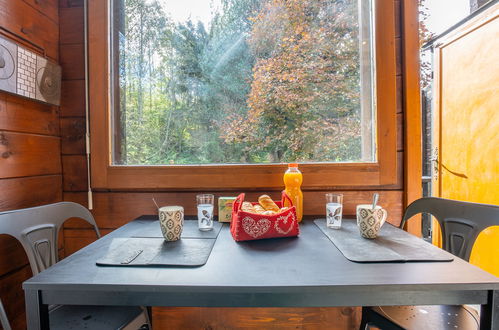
(469, 126)
(470, 116)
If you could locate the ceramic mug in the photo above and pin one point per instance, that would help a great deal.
(171, 221)
(370, 220)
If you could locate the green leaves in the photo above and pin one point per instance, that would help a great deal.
(305, 80)
(264, 81)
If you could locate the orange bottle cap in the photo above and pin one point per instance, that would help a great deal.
(293, 165)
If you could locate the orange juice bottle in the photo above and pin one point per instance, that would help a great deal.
(293, 180)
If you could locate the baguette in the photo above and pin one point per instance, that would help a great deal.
(258, 208)
(268, 204)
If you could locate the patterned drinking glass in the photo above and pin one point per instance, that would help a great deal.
(334, 210)
(205, 211)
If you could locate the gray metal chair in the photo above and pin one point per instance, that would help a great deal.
(3, 318)
(37, 230)
(460, 223)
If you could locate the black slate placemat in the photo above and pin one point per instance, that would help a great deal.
(150, 251)
(190, 229)
(391, 245)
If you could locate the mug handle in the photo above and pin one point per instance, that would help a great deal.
(357, 215)
(385, 215)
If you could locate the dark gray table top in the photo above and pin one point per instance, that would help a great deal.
(309, 266)
(156, 252)
(146, 246)
(391, 245)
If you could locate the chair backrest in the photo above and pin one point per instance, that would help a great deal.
(460, 222)
(37, 228)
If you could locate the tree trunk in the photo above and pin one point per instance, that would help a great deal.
(140, 97)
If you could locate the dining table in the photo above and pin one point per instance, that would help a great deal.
(304, 271)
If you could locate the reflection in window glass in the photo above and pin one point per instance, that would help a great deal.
(242, 81)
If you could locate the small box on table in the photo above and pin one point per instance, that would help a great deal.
(225, 208)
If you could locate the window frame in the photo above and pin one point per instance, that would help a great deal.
(105, 175)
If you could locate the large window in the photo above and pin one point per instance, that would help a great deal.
(221, 98)
(242, 81)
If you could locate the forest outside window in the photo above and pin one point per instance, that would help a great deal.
(222, 97)
(242, 82)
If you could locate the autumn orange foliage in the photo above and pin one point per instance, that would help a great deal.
(304, 97)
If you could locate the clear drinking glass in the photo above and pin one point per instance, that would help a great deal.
(205, 211)
(334, 209)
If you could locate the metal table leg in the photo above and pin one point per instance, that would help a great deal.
(489, 316)
(37, 314)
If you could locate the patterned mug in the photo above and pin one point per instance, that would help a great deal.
(171, 221)
(370, 220)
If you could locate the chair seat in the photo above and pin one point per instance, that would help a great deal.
(431, 317)
(95, 317)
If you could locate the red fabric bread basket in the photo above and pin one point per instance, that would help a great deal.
(247, 226)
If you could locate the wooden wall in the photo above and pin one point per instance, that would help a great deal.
(115, 208)
(73, 106)
(30, 144)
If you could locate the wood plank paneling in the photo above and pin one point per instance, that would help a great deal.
(71, 25)
(70, 3)
(73, 136)
(351, 176)
(13, 255)
(22, 19)
(400, 130)
(12, 295)
(77, 197)
(398, 19)
(19, 321)
(47, 7)
(76, 239)
(32, 191)
(73, 98)
(342, 318)
(83, 233)
(24, 115)
(400, 166)
(72, 61)
(412, 107)
(74, 173)
(73, 121)
(398, 46)
(400, 98)
(27, 155)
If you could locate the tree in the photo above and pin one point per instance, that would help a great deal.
(304, 98)
(265, 80)
(145, 30)
(425, 35)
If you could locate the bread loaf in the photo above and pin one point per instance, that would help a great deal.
(267, 203)
(258, 208)
(248, 207)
